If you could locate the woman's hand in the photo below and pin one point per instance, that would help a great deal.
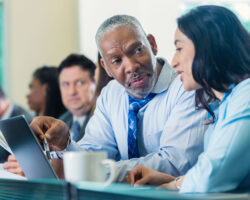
(13, 166)
(143, 175)
(174, 185)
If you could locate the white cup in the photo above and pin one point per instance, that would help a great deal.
(88, 166)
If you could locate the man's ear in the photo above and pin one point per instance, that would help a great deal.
(106, 68)
(152, 43)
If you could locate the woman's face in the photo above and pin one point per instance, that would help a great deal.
(183, 60)
(37, 96)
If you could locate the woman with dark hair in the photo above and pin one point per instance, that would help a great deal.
(213, 57)
(101, 77)
(44, 97)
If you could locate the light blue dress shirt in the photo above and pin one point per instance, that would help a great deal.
(225, 163)
(170, 129)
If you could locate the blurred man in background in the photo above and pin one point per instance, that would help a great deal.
(77, 86)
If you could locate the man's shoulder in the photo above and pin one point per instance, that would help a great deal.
(176, 84)
(112, 90)
(176, 91)
(113, 85)
(18, 110)
(112, 97)
(66, 117)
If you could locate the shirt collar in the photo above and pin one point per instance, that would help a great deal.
(166, 76)
(81, 119)
(214, 107)
(215, 104)
(231, 87)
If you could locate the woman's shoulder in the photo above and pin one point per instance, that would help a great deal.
(242, 90)
(239, 99)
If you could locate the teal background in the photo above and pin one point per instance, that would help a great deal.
(1, 43)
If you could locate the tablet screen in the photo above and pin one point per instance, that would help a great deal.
(26, 148)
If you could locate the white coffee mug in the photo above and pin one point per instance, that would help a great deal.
(88, 166)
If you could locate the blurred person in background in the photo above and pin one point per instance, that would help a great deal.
(9, 109)
(77, 86)
(44, 97)
(101, 77)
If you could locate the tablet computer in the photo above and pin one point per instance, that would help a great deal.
(26, 148)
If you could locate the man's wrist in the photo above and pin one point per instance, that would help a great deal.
(59, 154)
(68, 143)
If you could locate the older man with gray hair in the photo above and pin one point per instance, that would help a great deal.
(144, 116)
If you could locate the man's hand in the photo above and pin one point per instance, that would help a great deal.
(143, 175)
(12, 166)
(55, 131)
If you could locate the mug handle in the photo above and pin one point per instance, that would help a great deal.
(113, 170)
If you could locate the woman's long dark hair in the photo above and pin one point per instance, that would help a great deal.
(103, 76)
(49, 75)
(222, 50)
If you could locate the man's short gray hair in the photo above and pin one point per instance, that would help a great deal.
(114, 22)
